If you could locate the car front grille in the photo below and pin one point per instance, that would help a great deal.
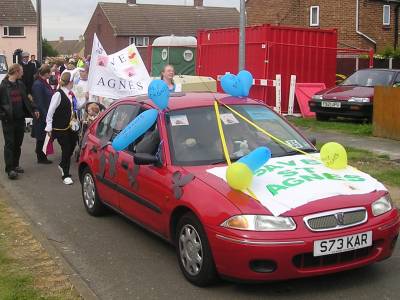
(337, 219)
(308, 260)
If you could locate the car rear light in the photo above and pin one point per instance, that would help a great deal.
(312, 103)
(354, 107)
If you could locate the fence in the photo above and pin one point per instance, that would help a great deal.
(386, 121)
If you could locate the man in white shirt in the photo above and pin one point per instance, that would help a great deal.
(80, 88)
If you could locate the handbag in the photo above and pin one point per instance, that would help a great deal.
(50, 148)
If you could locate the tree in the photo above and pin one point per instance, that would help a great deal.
(48, 50)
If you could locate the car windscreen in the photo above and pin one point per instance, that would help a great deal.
(3, 65)
(370, 78)
(194, 137)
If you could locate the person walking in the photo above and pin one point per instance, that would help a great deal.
(81, 89)
(29, 73)
(14, 108)
(35, 62)
(42, 93)
(62, 125)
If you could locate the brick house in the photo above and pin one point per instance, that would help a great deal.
(120, 24)
(18, 29)
(67, 48)
(361, 23)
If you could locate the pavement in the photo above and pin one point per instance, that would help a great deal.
(115, 259)
(376, 145)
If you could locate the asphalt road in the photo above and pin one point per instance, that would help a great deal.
(119, 260)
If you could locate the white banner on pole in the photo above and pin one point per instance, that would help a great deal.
(118, 75)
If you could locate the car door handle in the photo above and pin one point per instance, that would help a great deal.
(125, 165)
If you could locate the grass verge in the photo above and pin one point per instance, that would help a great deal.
(338, 126)
(378, 166)
(26, 270)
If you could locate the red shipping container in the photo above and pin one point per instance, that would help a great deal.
(310, 54)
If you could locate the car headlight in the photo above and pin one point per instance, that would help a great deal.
(260, 223)
(317, 97)
(382, 205)
(359, 100)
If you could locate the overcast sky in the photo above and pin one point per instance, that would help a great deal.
(70, 18)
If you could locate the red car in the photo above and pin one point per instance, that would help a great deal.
(161, 182)
(353, 97)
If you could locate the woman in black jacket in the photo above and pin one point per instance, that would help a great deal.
(14, 108)
(42, 93)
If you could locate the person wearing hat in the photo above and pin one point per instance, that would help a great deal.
(14, 108)
(62, 124)
(29, 72)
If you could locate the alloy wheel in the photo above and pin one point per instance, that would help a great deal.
(190, 250)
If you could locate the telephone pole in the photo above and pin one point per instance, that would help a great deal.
(242, 36)
(39, 29)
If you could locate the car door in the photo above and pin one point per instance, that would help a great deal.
(94, 144)
(108, 173)
(146, 188)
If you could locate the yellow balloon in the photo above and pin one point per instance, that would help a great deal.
(334, 156)
(239, 176)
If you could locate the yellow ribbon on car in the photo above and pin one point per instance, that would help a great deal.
(224, 145)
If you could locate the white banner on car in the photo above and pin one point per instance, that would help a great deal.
(118, 75)
(286, 183)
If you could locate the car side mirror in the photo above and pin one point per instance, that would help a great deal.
(313, 140)
(144, 159)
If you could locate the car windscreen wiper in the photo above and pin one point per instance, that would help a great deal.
(222, 161)
(293, 152)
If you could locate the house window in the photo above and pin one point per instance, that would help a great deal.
(14, 31)
(139, 41)
(386, 15)
(314, 16)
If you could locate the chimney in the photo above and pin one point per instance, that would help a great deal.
(61, 39)
(131, 2)
(198, 3)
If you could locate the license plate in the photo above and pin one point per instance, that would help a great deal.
(343, 244)
(331, 104)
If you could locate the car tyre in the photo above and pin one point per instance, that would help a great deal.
(91, 199)
(193, 252)
(322, 117)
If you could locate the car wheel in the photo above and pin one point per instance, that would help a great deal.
(322, 117)
(193, 251)
(91, 199)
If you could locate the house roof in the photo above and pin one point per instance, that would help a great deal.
(158, 20)
(67, 47)
(17, 12)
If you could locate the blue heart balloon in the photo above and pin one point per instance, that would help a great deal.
(231, 85)
(135, 129)
(246, 81)
(159, 93)
(256, 158)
